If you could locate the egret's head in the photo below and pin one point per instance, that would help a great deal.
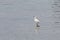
(34, 16)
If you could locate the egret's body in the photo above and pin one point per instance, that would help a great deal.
(36, 19)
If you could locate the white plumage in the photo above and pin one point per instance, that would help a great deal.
(36, 19)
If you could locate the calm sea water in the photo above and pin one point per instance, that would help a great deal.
(16, 19)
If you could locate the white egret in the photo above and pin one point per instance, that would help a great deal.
(37, 21)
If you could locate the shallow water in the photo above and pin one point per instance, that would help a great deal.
(16, 20)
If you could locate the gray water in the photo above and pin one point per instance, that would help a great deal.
(16, 20)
